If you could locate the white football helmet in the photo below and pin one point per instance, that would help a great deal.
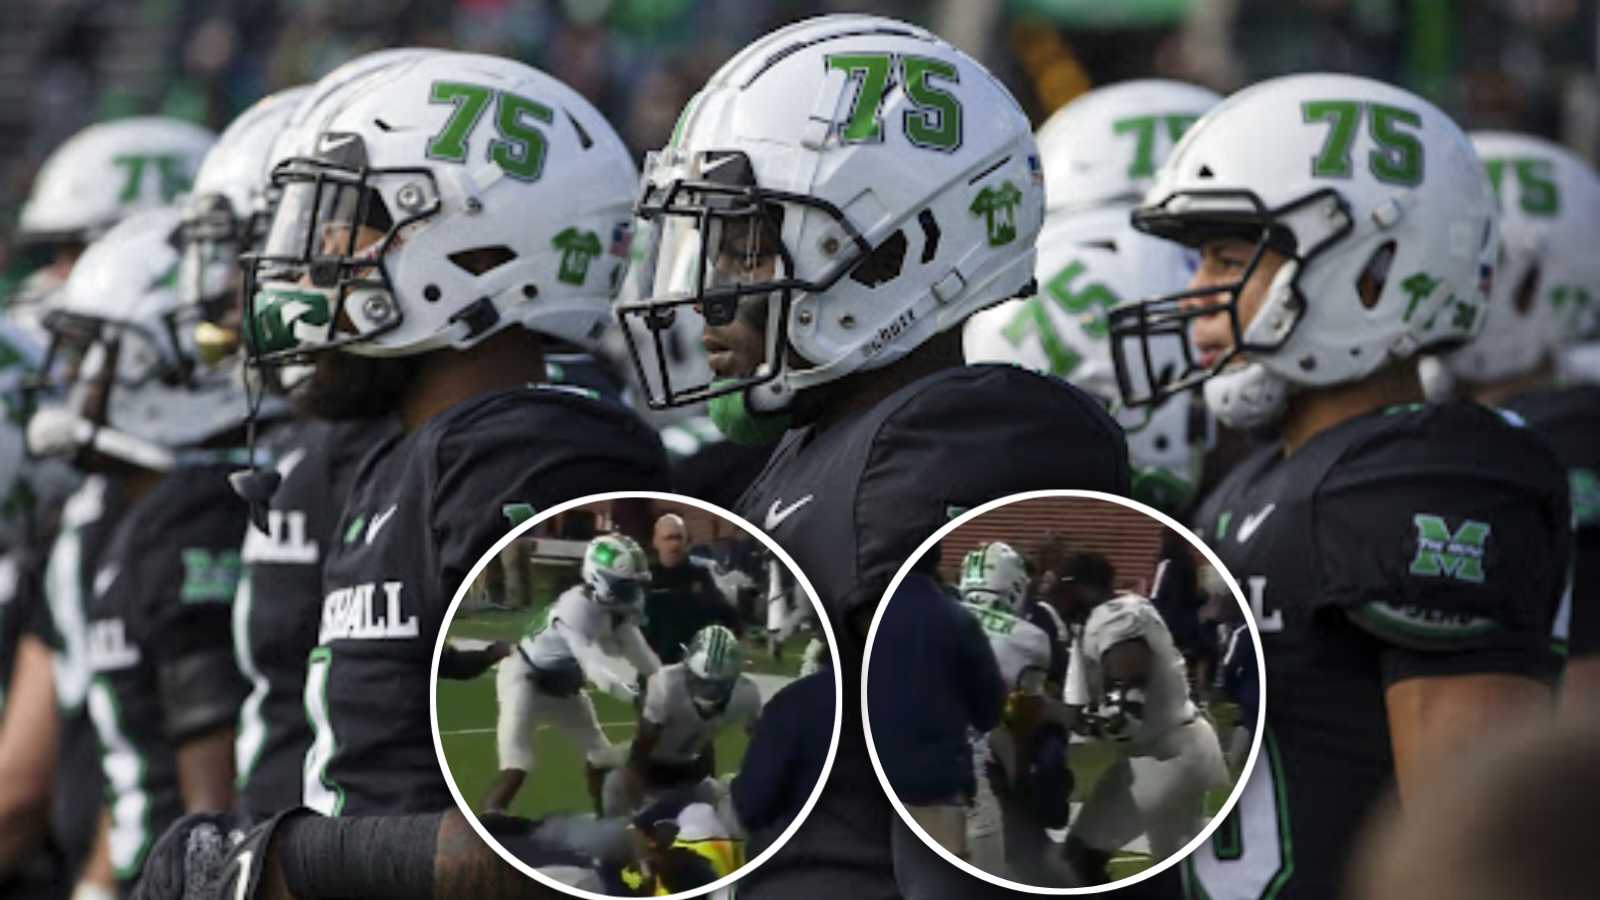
(496, 196)
(1090, 262)
(227, 211)
(615, 571)
(1549, 274)
(1106, 145)
(109, 170)
(872, 186)
(994, 574)
(135, 387)
(1361, 181)
(714, 660)
(29, 486)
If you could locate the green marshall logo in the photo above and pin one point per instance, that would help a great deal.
(280, 317)
(577, 249)
(1418, 287)
(209, 577)
(1443, 554)
(998, 206)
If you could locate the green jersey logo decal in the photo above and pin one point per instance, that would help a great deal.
(1443, 554)
(577, 248)
(1418, 288)
(209, 577)
(998, 206)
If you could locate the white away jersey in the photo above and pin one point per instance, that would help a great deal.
(1124, 618)
(685, 733)
(573, 612)
(1020, 647)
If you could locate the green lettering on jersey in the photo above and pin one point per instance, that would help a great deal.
(1446, 554)
(1585, 489)
(209, 577)
(517, 513)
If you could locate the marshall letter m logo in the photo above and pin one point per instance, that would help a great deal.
(1441, 553)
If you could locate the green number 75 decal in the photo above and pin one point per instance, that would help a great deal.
(934, 120)
(520, 148)
(1397, 156)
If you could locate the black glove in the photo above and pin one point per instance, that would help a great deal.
(188, 861)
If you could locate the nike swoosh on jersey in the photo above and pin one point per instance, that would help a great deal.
(378, 521)
(1253, 521)
(777, 512)
(104, 578)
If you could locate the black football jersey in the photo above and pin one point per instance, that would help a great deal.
(88, 519)
(1416, 541)
(1569, 418)
(159, 648)
(278, 608)
(851, 503)
(422, 509)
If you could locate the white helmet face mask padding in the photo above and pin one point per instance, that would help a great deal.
(1383, 191)
(848, 186)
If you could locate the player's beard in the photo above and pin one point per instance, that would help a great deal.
(344, 386)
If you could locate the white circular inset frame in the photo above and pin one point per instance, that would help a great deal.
(1261, 707)
(494, 552)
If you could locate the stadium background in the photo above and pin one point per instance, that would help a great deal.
(1524, 64)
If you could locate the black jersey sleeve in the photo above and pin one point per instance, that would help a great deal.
(1445, 535)
(516, 454)
(978, 434)
(181, 572)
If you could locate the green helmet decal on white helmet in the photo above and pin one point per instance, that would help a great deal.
(714, 660)
(615, 571)
(1548, 280)
(1363, 184)
(992, 574)
(847, 188)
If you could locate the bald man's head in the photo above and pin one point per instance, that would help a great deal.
(671, 541)
(1511, 823)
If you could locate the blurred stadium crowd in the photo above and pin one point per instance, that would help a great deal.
(1525, 65)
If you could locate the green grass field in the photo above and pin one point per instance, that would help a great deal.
(467, 717)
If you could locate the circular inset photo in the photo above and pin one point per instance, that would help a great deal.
(634, 696)
(1063, 692)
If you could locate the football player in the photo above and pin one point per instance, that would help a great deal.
(1548, 276)
(1100, 152)
(1003, 836)
(165, 691)
(687, 705)
(1130, 684)
(571, 643)
(833, 205)
(448, 215)
(1403, 560)
(298, 500)
(85, 186)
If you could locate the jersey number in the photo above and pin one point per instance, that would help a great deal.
(934, 120)
(1397, 158)
(520, 148)
(321, 794)
(1250, 854)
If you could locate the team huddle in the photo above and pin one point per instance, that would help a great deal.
(275, 392)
